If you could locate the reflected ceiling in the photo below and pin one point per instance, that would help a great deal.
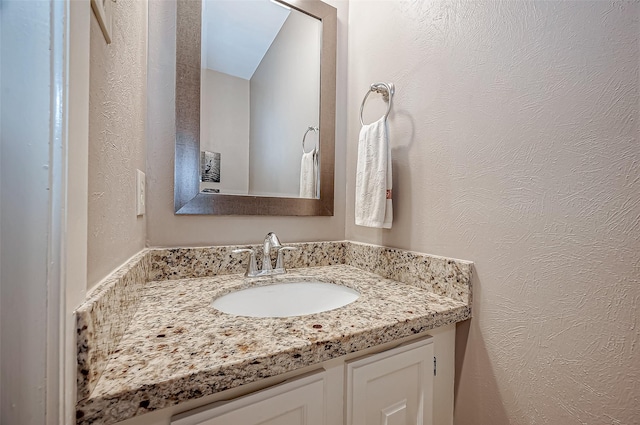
(239, 33)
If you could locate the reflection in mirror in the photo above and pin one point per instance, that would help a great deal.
(255, 114)
(260, 93)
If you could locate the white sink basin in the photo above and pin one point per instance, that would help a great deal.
(286, 299)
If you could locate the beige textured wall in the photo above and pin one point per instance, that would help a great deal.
(166, 229)
(117, 138)
(516, 145)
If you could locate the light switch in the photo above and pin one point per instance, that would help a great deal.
(140, 192)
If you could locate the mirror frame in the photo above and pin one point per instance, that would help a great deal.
(187, 196)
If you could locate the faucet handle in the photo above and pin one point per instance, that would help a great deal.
(252, 268)
(280, 260)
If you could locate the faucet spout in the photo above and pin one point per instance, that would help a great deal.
(270, 241)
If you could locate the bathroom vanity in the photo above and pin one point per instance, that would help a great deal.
(387, 387)
(151, 344)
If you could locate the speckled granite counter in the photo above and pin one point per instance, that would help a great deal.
(178, 348)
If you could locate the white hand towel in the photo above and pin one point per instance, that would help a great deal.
(373, 177)
(308, 172)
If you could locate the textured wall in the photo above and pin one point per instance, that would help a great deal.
(166, 229)
(117, 138)
(516, 145)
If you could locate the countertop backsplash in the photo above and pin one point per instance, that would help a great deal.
(103, 318)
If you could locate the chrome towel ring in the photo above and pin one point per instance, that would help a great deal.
(310, 128)
(386, 90)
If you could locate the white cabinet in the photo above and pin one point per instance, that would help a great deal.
(299, 402)
(394, 387)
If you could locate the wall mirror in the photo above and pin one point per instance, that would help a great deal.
(255, 107)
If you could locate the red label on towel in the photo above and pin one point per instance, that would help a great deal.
(388, 193)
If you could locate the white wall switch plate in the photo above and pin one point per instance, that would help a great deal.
(141, 192)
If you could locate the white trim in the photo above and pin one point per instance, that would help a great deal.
(57, 164)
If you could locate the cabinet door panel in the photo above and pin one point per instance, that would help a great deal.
(392, 388)
(299, 402)
(396, 414)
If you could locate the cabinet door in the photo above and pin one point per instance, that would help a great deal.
(392, 388)
(298, 402)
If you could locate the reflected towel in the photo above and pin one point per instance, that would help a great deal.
(308, 173)
(373, 177)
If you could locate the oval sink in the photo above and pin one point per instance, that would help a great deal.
(286, 299)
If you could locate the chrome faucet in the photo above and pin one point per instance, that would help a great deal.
(270, 241)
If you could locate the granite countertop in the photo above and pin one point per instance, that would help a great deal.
(177, 347)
